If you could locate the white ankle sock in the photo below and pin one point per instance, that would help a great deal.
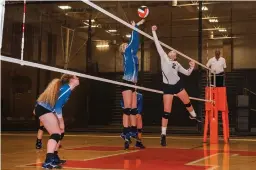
(164, 130)
(192, 113)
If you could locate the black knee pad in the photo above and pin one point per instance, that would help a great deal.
(127, 111)
(56, 137)
(134, 111)
(139, 130)
(166, 115)
(62, 136)
(188, 105)
(41, 128)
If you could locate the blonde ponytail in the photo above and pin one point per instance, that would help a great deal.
(50, 94)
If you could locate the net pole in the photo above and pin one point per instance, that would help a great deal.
(138, 30)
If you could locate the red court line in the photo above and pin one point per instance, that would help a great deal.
(148, 159)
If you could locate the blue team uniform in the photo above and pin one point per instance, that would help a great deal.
(64, 95)
(130, 59)
(139, 103)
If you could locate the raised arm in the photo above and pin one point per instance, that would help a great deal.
(159, 48)
(188, 71)
(134, 40)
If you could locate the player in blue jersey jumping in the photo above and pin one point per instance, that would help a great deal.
(49, 110)
(130, 65)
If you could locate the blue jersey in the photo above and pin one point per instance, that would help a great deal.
(139, 103)
(130, 59)
(64, 95)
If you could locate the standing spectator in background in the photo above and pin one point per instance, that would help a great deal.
(217, 64)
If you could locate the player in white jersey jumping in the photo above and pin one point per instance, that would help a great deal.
(172, 84)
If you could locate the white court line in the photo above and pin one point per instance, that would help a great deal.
(99, 157)
(117, 136)
(207, 157)
(213, 168)
(123, 153)
(199, 160)
(234, 154)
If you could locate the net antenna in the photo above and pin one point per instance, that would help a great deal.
(2, 12)
(67, 37)
(23, 31)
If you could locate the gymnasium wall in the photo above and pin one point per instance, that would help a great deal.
(19, 98)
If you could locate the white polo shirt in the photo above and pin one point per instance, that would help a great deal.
(217, 66)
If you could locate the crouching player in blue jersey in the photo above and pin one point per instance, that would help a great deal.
(130, 66)
(138, 120)
(49, 110)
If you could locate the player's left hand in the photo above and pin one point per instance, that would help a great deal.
(141, 22)
(192, 64)
(133, 23)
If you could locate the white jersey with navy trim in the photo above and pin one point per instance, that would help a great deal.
(169, 67)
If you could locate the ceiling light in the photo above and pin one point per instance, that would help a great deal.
(111, 31)
(91, 20)
(174, 2)
(204, 8)
(223, 30)
(213, 20)
(224, 37)
(64, 7)
(102, 46)
(128, 35)
(93, 26)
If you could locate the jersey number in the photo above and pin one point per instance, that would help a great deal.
(173, 65)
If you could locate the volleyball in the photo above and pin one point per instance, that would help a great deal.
(143, 11)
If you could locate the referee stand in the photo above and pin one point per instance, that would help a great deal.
(219, 97)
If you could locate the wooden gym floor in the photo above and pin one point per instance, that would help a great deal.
(105, 152)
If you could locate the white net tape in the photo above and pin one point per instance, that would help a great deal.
(50, 68)
(141, 32)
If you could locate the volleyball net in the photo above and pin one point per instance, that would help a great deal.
(72, 41)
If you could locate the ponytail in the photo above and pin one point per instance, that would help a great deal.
(50, 94)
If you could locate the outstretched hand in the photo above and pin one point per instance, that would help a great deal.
(133, 23)
(154, 28)
(141, 22)
(192, 64)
